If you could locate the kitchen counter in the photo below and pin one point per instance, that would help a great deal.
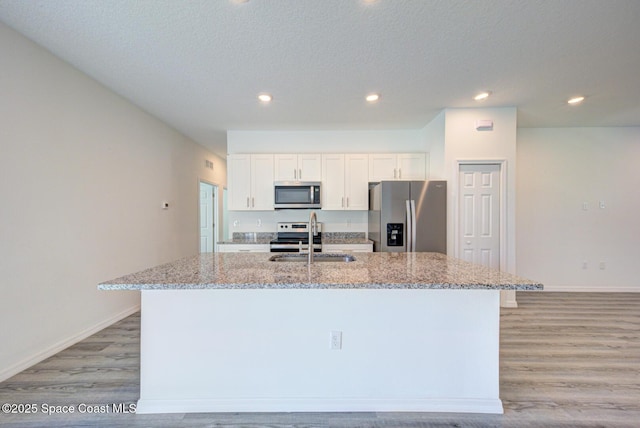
(345, 238)
(370, 270)
(258, 238)
(234, 332)
(261, 238)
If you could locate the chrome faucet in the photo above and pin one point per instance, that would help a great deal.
(313, 231)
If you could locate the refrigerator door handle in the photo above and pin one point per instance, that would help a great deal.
(414, 226)
(409, 226)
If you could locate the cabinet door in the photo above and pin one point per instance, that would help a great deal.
(310, 167)
(356, 173)
(239, 182)
(382, 166)
(285, 167)
(412, 166)
(333, 182)
(262, 193)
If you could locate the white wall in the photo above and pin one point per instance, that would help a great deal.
(383, 141)
(559, 170)
(82, 177)
(434, 137)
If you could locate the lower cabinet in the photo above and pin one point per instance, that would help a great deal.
(347, 248)
(243, 248)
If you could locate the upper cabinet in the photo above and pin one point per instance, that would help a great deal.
(298, 167)
(397, 166)
(345, 177)
(345, 182)
(250, 182)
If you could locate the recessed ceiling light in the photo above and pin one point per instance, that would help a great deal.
(265, 98)
(372, 98)
(575, 100)
(482, 96)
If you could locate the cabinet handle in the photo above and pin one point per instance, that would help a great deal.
(300, 174)
(343, 202)
(247, 202)
(295, 174)
(253, 202)
(347, 202)
(400, 173)
(394, 173)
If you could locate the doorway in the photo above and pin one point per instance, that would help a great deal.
(208, 210)
(481, 218)
(479, 215)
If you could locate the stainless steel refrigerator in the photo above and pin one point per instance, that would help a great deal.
(408, 216)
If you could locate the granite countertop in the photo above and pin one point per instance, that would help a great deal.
(342, 238)
(250, 238)
(369, 271)
(345, 238)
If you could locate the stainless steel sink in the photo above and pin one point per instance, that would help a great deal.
(316, 258)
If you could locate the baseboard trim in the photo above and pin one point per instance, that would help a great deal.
(462, 405)
(63, 344)
(508, 299)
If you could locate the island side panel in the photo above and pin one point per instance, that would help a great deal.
(269, 350)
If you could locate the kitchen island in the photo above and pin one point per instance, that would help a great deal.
(387, 332)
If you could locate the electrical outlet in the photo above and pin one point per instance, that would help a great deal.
(603, 265)
(336, 340)
(584, 265)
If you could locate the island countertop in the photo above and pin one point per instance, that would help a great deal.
(369, 271)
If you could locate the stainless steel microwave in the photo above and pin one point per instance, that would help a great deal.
(297, 194)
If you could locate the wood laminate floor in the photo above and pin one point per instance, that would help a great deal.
(567, 360)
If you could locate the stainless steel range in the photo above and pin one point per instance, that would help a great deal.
(293, 237)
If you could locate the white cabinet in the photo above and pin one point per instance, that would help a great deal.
(243, 248)
(347, 248)
(298, 167)
(250, 182)
(345, 182)
(356, 181)
(412, 166)
(332, 182)
(397, 166)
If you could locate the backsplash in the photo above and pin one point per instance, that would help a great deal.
(266, 221)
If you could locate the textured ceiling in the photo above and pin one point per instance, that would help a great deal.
(199, 64)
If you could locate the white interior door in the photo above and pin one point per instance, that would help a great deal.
(479, 208)
(207, 226)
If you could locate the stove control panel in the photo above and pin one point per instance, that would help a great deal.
(296, 227)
